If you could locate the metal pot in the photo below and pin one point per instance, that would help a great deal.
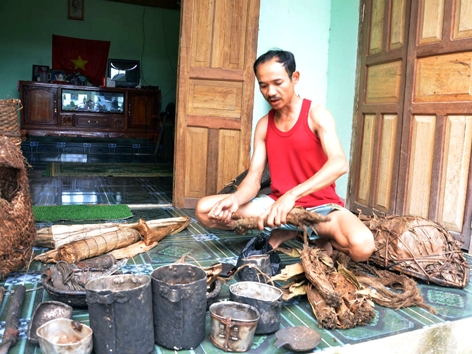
(232, 325)
(65, 336)
(265, 298)
(255, 268)
(179, 298)
(120, 314)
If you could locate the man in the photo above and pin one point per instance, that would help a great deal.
(299, 142)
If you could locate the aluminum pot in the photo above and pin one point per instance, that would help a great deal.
(120, 314)
(232, 325)
(179, 299)
(265, 298)
(65, 336)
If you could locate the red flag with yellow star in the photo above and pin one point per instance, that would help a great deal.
(86, 56)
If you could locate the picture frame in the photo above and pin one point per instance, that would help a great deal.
(56, 73)
(41, 73)
(75, 10)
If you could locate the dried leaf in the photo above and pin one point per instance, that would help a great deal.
(288, 272)
(349, 275)
(291, 252)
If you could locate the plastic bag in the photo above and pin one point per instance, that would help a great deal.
(258, 245)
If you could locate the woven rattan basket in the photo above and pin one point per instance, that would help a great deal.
(17, 224)
(9, 126)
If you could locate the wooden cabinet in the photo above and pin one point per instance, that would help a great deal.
(41, 105)
(81, 111)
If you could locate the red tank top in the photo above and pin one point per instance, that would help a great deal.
(294, 156)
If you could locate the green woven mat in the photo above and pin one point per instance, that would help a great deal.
(81, 212)
(88, 169)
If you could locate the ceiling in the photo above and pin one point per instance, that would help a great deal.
(166, 4)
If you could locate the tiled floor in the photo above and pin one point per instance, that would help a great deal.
(208, 246)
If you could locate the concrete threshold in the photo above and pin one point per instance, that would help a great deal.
(444, 338)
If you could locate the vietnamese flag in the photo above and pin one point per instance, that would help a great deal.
(86, 56)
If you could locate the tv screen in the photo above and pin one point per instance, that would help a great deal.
(124, 72)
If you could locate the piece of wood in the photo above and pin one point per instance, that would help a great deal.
(59, 235)
(10, 336)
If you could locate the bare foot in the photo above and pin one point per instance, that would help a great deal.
(325, 244)
(279, 236)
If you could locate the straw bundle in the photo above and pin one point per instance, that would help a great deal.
(78, 242)
(59, 235)
(9, 119)
(91, 247)
(17, 225)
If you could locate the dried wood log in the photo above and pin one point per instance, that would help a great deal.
(316, 272)
(356, 308)
(324, 314)
(298, 216)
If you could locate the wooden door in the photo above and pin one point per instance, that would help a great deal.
(430, 157)
(215, 95)
(377, 133)
(144, 111)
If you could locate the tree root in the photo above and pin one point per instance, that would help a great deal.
(298, 216)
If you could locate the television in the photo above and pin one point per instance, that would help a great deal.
(124, 72)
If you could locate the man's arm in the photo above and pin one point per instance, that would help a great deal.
(322, 123)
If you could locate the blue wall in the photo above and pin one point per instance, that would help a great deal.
(135, 32)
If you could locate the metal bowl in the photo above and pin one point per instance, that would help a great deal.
(76, 298)
(65, 336)
(45, 312)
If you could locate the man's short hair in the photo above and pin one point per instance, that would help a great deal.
(283, 57)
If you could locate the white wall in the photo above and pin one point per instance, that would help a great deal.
(326, 65)
(343, 43)
(302, 27)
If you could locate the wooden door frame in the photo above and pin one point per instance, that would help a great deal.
(358, 126)
(406, 112)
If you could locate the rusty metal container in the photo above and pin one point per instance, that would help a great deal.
(120, 314)
(232, 325)
(256, 268)
(65, 336)
(179, 298)
(265, 298)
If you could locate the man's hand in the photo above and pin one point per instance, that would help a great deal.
(223, 211)
(276, 215)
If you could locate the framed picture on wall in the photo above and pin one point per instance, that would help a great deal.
(75, 10)
(41, 73)
(58, 75)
